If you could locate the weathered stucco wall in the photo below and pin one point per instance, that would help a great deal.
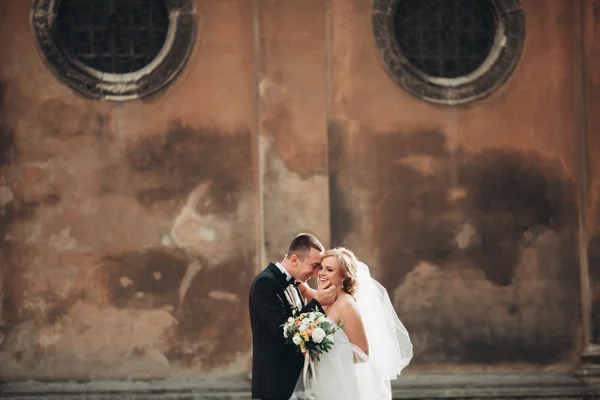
(591, 50)
(293, 115)
(468, 215)
(130, 232)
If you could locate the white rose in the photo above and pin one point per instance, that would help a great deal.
(311, 317)
(291, 320)
(318, 335)
(303, 327)
(305, 321)
(321, 319)
(296, 340)
(330, 338)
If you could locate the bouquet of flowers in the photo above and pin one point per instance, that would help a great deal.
(312, 333)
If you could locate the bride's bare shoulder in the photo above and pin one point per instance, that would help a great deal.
(346, 302)
(348, 312)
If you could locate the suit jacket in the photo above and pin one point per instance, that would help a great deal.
(276, 365)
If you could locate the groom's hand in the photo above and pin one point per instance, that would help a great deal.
(326, 296)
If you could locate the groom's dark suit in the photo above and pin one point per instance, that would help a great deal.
(276, 366)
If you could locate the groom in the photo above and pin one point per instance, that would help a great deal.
(273, 295)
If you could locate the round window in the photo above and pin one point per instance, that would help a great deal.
(449, 51)
(115, 49)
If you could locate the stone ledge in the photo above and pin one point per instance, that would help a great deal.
(505, 386)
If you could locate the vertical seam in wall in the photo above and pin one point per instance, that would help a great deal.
(328, 106)
(117, 110)
(260, 216)
(581, 124)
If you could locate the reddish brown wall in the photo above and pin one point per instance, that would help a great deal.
(293, 109)
(130, 239)
(467, 214)
(591, 53)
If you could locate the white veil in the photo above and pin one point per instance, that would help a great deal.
(390, 348)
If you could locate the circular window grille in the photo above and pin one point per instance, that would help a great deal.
(115, 49)
(449, 51)
(111, 35)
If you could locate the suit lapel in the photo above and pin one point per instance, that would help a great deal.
(278, 274)
(287, 293)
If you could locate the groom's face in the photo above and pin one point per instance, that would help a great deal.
(309, 266)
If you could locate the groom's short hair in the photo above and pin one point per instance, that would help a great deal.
(302, 244)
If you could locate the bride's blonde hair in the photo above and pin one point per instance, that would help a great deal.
(348, 268)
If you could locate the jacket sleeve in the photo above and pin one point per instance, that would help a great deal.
(270, 308)
(313, 305)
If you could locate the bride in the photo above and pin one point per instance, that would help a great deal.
(372, 348)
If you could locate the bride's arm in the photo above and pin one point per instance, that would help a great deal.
(353, 325)
(307, 292)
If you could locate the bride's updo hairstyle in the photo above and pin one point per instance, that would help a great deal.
(348, 268)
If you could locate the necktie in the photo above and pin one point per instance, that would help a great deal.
(293, 282)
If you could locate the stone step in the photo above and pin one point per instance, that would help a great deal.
(480, 386)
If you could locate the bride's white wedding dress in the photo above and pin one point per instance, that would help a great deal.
(345, 372)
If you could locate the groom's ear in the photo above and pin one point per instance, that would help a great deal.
(294, 258)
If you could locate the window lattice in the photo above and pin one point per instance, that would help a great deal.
(445, 38)
(116, 36)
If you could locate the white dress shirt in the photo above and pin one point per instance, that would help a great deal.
(291, 293)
